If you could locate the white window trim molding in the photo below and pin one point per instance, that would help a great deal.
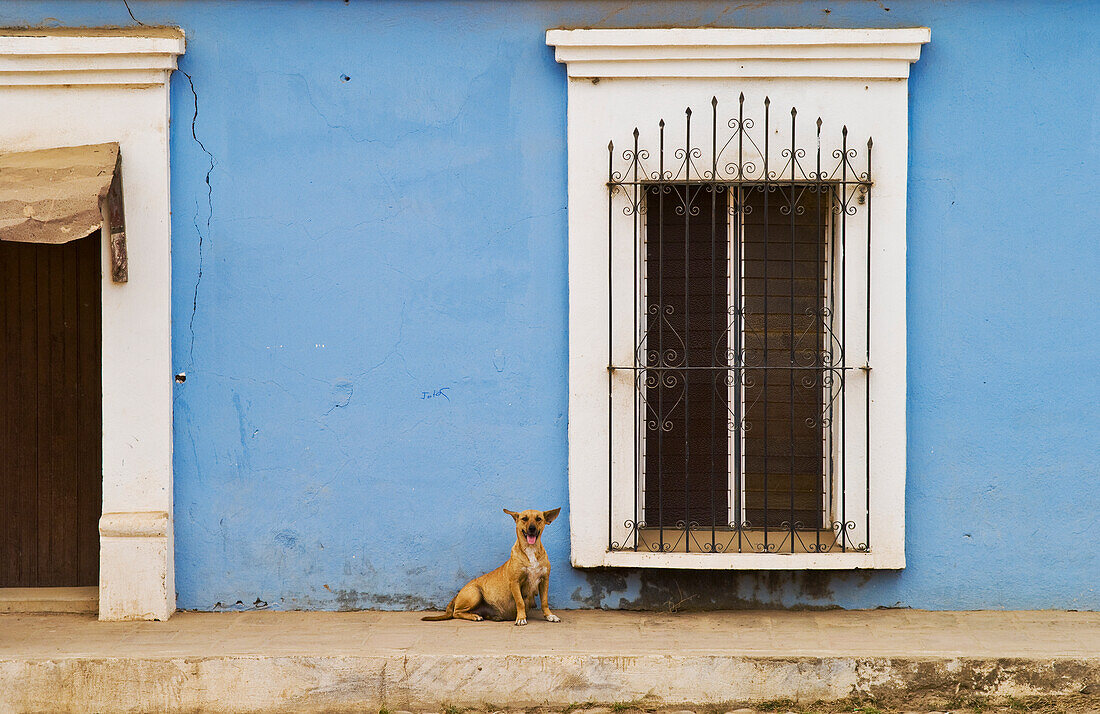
(622, 78)
(764, 53)
(76, 86)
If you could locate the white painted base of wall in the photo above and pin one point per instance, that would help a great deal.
(134, 563)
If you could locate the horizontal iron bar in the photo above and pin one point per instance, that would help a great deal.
(777, 182)
(730, 367)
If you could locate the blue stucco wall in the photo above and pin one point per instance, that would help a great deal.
(369, 301)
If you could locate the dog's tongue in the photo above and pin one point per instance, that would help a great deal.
(530, 540)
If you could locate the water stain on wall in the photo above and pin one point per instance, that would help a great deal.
(682, 590)
(355, 600)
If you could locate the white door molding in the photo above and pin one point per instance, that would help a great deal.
(70, 87)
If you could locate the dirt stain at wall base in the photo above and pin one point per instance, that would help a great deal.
(687, 590)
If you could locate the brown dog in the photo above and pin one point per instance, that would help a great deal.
(509, 590)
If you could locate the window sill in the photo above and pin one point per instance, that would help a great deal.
(748, 541)
(742, 561)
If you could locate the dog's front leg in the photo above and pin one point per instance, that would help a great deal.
(521, 607)
(544, 590)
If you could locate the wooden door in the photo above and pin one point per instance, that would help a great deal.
(50, 413)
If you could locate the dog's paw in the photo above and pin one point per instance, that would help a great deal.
(520, 622)
(553, 618)
(478, 618)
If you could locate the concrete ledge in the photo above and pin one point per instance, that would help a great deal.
(312, 662)
(357, 684)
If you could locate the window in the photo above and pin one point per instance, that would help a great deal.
(739, 368)
(727, 286)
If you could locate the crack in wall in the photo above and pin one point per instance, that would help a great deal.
(209, 215)
(394, 350)
(127, 4)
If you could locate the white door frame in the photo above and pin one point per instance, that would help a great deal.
(70, 87)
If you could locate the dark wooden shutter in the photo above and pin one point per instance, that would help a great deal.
(784, 284)
(687, 336)
(686, 459)
(50, 413)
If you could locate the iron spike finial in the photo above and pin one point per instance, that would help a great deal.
(793, 111)
(611, 145)
(714, 101)
(869, 143)
(688, 111)
(742, 98)
(819, 125)
(767, 101)
(844, 130)
(636, 133)
(661, 123)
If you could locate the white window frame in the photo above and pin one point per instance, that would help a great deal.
(622, 78)
(77, 86)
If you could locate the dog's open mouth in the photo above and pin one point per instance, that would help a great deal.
(531, 539)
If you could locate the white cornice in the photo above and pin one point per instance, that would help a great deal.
(74, 57)
(740, 52)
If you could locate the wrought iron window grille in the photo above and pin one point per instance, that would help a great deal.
(740, 410)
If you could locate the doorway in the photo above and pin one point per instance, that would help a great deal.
(51, 428)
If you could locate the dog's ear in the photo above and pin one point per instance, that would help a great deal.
(551, 515)
(513, 514)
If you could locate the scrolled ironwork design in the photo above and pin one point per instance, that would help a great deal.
(747, 158)
(742, 154)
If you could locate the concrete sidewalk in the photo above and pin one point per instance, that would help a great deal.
(268, 661)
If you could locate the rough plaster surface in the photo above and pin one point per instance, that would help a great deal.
(369, 301)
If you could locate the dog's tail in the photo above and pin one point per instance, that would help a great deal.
(449, 615)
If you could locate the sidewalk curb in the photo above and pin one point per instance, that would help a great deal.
(250, 683)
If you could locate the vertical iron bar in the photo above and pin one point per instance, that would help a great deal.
(767, 188)
(713, 294)
(791, 372)
(610, 355)
(738, 362)
(844, 334)
(819, 304)
(687, 331)
(867, 358)
(661, 339)
(639, 431)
